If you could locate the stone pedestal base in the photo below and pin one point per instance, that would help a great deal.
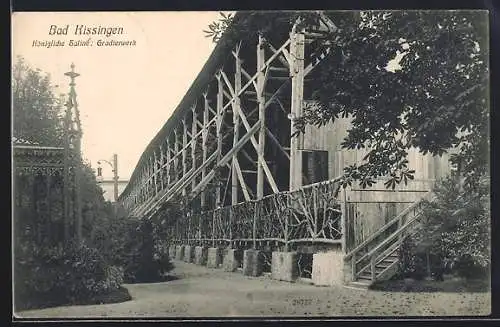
(188, 253)
(328, 268)
(179, 252)
(232, 260)
(253, 262)
(171, 251)
(284, 266)
(214, 258)
(200, 255)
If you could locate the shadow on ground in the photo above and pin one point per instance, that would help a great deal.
(165, 278)
(40, 302)
(452, 285)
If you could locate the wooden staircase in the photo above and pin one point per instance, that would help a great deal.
(377, 258)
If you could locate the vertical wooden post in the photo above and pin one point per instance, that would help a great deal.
(353, 267)
(343, 219)
(194, 130)
(155, 172)
(169, 169)
(262, 133)
(162, 162)
(204, 136)
(373, 267)
(176, 159)
(236, 136)
(236, 122)
(220, 105)
(254, 226)
(262, 116)
(146, 180)
(297, 74)
(287, 222)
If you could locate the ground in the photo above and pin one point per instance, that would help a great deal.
(204, 292)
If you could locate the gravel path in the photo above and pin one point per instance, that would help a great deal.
(204, 292)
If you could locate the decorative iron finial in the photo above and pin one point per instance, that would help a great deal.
(72, 75)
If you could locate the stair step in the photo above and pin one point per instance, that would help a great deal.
(385, 263)
(381, 267)
(359, 285)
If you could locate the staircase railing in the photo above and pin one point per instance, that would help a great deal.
(365, 257)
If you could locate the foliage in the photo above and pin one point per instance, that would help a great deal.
(36, 109)
(458, 223)
(139, 246)
(147, 257)
(241, 28)
(437, 99)
(217, 28)
(455, 231)
(49, 273)
(62, 275)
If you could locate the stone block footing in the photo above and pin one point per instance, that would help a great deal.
(179, 252)
(171, 251)
(284, 266)
(188, 253)
(327, 268)
(253, 263)
(232, 259)
(200, 255)
(214, 257)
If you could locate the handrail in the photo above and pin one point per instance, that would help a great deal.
(390, 238)
(387, 225)
(379, 258)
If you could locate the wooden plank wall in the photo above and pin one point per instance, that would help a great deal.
(369, 209)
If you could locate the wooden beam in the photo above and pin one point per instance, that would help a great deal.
(236, 124)
(297, 74)
(204, 136)
(262, 117)
(162, 161)
(220, 110)
(184, 152)
(228, 83)
(180, 184)
(169, 171)
(248, 77)
(244, 186)
(225, 159)
(272, 137)
(262, 162)
(284, 57)
(176, 158)
(155, 172)
(254, 78)
(193, 142)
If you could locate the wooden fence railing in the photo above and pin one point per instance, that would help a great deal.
(310, 214)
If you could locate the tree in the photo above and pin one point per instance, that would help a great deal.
(436, 100)
(36, 109)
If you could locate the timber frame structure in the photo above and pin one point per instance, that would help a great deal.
(228, 153)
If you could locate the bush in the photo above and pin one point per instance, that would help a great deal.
(138, 246)
(411, 263)
(56, 275)
(143, 254)
(454, 235)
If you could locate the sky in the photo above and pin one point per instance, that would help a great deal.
(125, 93)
